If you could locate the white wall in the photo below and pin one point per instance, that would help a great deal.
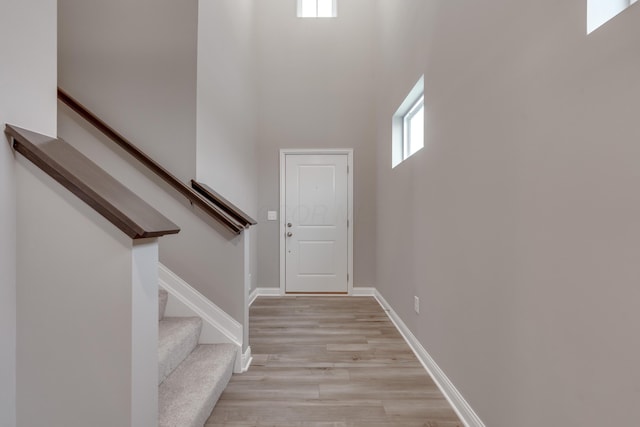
(523, 205)
(27, 85)
(134, 64)
(316, 89)
(144, 332)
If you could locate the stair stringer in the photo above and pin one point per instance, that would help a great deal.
(217, 326)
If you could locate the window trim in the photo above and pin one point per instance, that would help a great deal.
(599, 12)
(417, 107)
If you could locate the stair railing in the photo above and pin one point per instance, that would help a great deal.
(119, 205)
(210, 202)
(215, 198)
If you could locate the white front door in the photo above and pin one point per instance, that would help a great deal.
(315, 223)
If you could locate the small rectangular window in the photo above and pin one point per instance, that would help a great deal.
(408, 125)
(317, 8)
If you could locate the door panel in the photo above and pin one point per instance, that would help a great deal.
(316, 195)
(316, 201)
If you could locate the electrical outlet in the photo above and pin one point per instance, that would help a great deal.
(416, 305)
(272, 215)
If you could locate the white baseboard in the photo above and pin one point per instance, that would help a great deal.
(263, 292)
(243, 360)
(363, 291)
(358, 291)
(184, 300)
(268, 292)
(252, 296)
(457, 401)
(247, 358)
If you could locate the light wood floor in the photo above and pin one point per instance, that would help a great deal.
(329, 362)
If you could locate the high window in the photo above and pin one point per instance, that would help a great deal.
(317, 8)
(601, 11)
(413, 128)
(408, 125)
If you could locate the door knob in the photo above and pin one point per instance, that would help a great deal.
(289, 234)
(289, 225)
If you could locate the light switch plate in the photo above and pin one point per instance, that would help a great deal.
(272, 215)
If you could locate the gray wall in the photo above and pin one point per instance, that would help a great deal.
(27, 85)
(226, 139)
(520, 230)
(74, 309)
(134, 64)
(316, 90)
(226, 100)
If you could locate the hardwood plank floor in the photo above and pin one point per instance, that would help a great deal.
(329, 362)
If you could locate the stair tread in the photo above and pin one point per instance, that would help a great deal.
(188, 395)
(163, 297)
(177, 337)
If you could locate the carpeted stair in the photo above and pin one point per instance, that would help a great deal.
(191, 376)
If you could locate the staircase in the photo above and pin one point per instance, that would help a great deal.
(191, 376)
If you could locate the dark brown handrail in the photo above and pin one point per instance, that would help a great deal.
(223, 203)
(135, 217)
(191, 195)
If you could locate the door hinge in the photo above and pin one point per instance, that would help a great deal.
(347, 168)
(347, 277)
(347, 223)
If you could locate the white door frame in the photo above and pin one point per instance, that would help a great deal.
(343, 151)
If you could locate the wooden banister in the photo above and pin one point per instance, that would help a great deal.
(223, 203)
(212, 210)
(135, 217)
